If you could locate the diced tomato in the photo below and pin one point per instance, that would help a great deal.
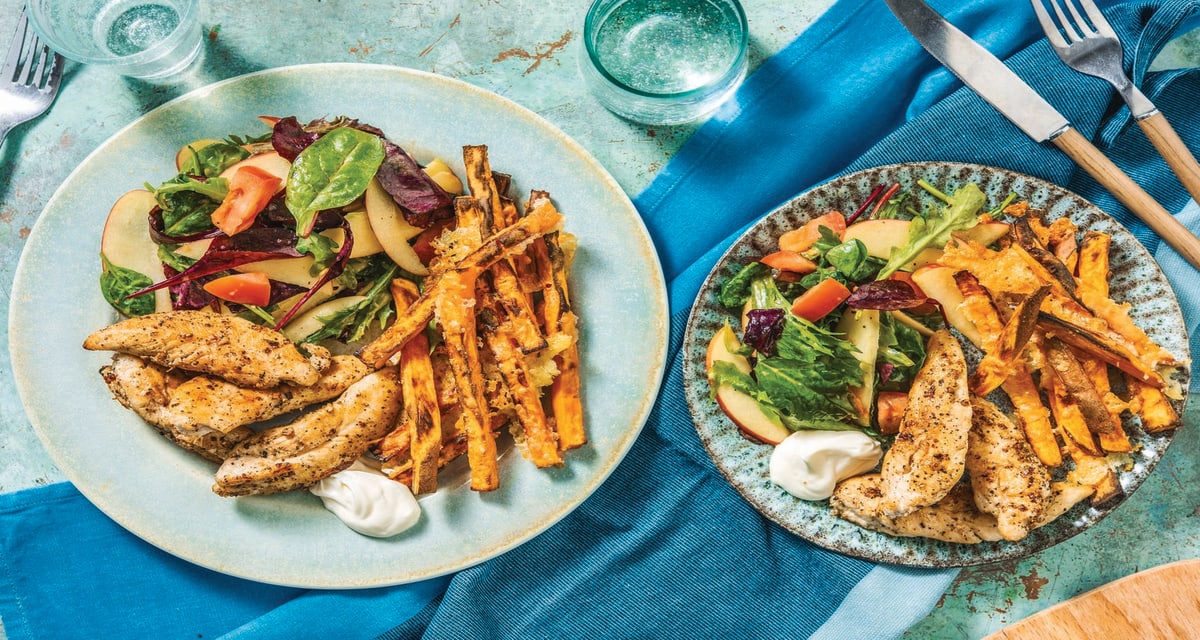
(922, 310)
(243, 288)
(423, 245)
(789, 261)
(250, 189)
(889, 409)
(817, 302)
(801, 239)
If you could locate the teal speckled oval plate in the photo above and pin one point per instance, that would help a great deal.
(162, 494)
(1136, 280)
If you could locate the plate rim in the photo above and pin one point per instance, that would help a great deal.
(654, 278)
(695, 377)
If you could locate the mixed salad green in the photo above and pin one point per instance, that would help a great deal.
(223, 214)
(834, 319)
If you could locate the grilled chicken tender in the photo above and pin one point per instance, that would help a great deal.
(952, 519)
(1008, 480)
(315, 446)
(213, 402)
(228, 347)
(146, 389)
(929, 454)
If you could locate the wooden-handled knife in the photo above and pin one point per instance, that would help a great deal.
(1017, 101)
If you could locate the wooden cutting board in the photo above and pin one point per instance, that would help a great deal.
(1163, 602)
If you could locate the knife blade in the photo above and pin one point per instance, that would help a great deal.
(985, 74)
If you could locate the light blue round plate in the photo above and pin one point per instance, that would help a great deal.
(1136, 280)
(162, 494)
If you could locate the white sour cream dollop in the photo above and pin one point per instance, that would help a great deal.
(369, 502)
(809, 464)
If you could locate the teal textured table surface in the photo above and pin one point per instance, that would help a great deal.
(526, 51)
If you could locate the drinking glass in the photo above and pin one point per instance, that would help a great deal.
(664, 61)
(146, 39)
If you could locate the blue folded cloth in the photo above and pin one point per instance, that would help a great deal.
(665, 548)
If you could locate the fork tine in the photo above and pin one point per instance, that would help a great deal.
(1093, 12)
(1048, 25)
(15, 50)
(55, 77)
(1067, 26)
(1080, 22)
(36, 66)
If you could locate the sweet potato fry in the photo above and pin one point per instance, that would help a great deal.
(1018, 384)
(540, 439)
(1074, 383)
(1092, 471)
(420, 415)
(1092, 270)
(1156, 413)
(509, 240)
(457, 321)
(492, 215)
(1044, 263)
(996, 365)
(556, 317)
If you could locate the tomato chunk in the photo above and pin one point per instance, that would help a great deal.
(789, 261)
(243, 288)
(250, 189)
(889, 409)
(817, 302)
(806, 236)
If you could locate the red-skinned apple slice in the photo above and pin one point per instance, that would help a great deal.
(126, 241)
(743, 410)
(937, 282)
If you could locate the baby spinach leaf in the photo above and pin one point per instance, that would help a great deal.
(331, 172)
(210, 160)
(116, 283)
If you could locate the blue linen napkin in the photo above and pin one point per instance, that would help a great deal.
(665, 548)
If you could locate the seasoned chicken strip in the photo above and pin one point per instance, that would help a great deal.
(146, 388)
(315, 446)
(1007, 479)
(228, 347)
(929, 454)
(953, 519)
(213, 402)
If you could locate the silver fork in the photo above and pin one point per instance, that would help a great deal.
(1087, 43)
(29, 79)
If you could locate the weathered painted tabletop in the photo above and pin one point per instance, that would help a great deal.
(526, 51)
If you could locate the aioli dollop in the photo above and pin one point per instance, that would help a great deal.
(809, 464)
(368, 502)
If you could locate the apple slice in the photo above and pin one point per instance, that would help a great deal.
(937, 282)
(392, 230)
(126, 242)
(366, 243)
(311, 321)
(862, 329)
(271, 162)
(743, 410)
(880, 236)
(295, 271)
(985, 233)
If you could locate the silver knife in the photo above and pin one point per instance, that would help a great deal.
(1017, 101)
